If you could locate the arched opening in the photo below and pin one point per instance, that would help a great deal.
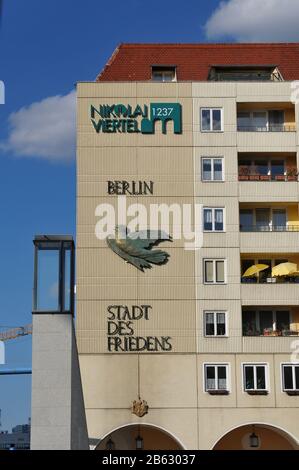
(136, 436)
(256, 437)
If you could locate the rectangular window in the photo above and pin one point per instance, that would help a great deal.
(214, 271)
(215, 324)
(255, 377)
(163, 74)
(290, 377)
(216, 377)
(211, 119)
(212, 169)
(213, 219)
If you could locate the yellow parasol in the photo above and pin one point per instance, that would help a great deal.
(284, 269)
(255, 269)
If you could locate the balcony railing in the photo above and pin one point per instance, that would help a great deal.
(270, 280)
(251, 173)
(267, 128)
(269, 332)
(269, 228)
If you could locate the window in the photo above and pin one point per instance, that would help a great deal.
(269, 120)
(212, 169)
(215, 324)
(211, 119)
(213, 219)
(214, 271)
(163, 74)
(255, 379)
(266, 322)
(216, 377)
(290, 377)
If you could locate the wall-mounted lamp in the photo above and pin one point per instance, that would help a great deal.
(254, 440)
(110, 444)
(139, 442)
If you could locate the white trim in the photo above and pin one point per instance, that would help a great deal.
(215, 311)
(267, 381)
(202, 158)
(228, 375)
(289, 364)
(214, 271)
(213, 209)
(211, 120)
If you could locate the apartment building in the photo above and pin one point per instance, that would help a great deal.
(201, 351)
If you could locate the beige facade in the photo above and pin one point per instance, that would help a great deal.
(173, 382)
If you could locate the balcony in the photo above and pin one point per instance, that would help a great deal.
(270, 322)
(269, 125)
(269, 329)
(266, 294)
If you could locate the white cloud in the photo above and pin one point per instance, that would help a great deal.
(255, 20)
(46, 129)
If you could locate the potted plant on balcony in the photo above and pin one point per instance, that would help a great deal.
(254, 175)
(292, 174)
(243, 173)
(265, 177)
(280, 177)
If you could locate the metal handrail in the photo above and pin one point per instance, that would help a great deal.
(273, 128)
(269, 228)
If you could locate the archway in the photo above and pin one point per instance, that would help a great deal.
(256, 437)
(150, 437)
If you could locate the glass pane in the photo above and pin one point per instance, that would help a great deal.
(157, 76)
(67, 280)
(205, 120)
(260, 378)
(245, 264)
(288, 377)
(262, 219)
(218, 169)
(219, 219)
(206, 169)
(209, 271)
(279, 221)
(210, 377)
(261, 167)
(219, 271)
(276, 120)
(208, 223)
(266, 321)
(210, 330)
(282, 321)
(259, 120)
(220, 324)
(263, 275)
(277, 168)
(249, 323)
(222, 378)
(216, 119)
(249, 378)
(48, 280)
(244, 122)
(246, 220)
(297, 377)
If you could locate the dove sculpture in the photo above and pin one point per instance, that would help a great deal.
(136, 247)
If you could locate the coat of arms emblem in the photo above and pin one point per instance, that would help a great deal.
(139, 407)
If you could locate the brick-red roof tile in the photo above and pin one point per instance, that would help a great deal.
(132, 62)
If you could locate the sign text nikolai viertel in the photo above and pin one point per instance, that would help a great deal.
(121, 323)
(120, 118)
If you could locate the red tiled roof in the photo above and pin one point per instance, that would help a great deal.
(132, 62)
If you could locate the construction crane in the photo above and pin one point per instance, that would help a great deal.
(15, 332)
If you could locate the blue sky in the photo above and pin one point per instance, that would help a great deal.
(45, 48)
